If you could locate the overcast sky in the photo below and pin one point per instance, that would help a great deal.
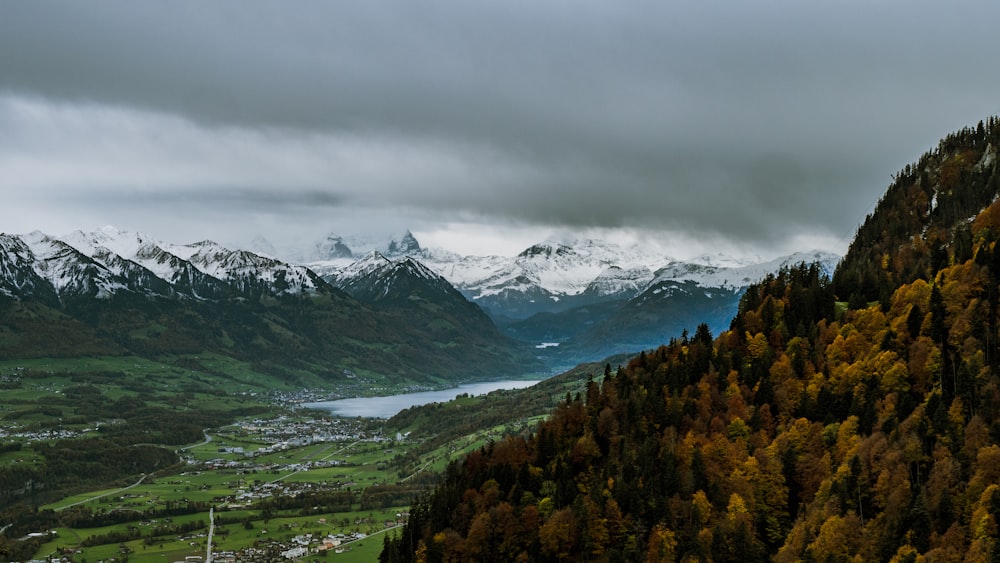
(747, 127)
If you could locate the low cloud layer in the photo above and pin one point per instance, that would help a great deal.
(754, 125)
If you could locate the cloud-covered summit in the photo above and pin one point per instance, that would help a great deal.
(756, 124)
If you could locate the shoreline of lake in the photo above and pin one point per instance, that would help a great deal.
(389, 406)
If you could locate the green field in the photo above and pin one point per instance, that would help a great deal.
(240, 524)
(245, 523)
(213, 434)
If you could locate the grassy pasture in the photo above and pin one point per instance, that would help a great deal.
(243, 527)
(54, 393)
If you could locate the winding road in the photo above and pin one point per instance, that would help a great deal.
(115, 492)
(208, 439)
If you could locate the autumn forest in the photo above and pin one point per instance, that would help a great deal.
(847, 419)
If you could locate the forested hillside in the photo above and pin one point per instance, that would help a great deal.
(925, 217)
(853, 420)
(282, 337)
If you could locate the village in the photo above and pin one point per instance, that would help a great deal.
(283, 487)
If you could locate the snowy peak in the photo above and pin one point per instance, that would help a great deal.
(184, 278)
(374, 261)
(376, 278)
(414, 268)
(405, 245)
(71, 273)
(250, 273)
(552, 271)
(109, 261)
(138, 278)
(335, 253)
(338, 247)
(556, 275)
(545, 251)
(333, 248)
(620, 282)
(107, 237)
(17, 273)
(722, 260)
(558, 269)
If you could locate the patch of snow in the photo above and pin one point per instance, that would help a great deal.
(989, 156)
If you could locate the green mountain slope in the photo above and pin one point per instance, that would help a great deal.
(325, 334)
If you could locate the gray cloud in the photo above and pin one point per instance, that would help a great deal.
(750, 121)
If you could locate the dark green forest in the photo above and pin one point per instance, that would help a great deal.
(279, 336)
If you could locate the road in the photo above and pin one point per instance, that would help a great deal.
(136, 484)
(208, 439)
(419, 469)
(211, 532)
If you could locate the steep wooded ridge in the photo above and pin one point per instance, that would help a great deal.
(812, 430)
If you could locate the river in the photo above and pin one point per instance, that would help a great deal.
(386, 407)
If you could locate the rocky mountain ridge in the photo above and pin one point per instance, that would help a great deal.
(578, 301)
(118, 292)
(557, 276)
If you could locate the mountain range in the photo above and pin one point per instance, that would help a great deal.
(116, 292)
(575, 301)
(566, 302)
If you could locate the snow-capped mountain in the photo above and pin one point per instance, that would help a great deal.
(17, 270)
(335, 254)
(563, 269)
(333, 248)
(70, 272)
(376, 278)
(549, 276)
(590, 297)
(115, 292)
(555, 276)
(248, 272)
(336, 251)
(372, 262)
(406, 245)
(108, 245)
(735, 277)
(420, 296)
(620, 282)
(108, 262)
(463, 272)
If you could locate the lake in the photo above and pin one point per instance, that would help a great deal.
(386, 407)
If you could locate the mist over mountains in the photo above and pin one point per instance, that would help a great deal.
(579, 300)
(565, 302)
